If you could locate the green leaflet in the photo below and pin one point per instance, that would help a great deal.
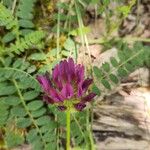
(113, 78)
(4, 112)
(122, 72)
(24, 122)
(3, 120)
(8, 61)
(34, 105)
(96, 90)
(38, 113)
(113, 62)
(97, 72)
(49, 137)
(32, 135)
(30, 95)
(18, 63)
(25, 23)
(8, 37)
(129, 67)
(70, 45)
(37, 56)
(37, 145)
(18, 111)
(48, 127)
(7, 90)
(13, 139)
(11, 100)
(43, 120)
(106, 67)
(106, 84)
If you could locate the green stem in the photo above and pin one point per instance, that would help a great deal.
(68, 130)
(14, 6)
(58, 33)
(57, 133)
(89, 130)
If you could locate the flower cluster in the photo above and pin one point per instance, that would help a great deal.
(66, 87)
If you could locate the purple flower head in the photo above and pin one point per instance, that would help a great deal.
(66, 87)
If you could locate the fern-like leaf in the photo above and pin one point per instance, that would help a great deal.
(32, 40)
(22, 106)
(25, 15)
(6, 18)
(127, 61)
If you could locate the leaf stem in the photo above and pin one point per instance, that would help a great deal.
(80, 128)
(68, 129)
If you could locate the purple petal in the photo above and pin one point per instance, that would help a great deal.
(48, 99)
(71, 63)
(86, 84)
(56, 96)
(79, 91)
(80, 106)
(45, 82)
(55, 72)
(67, 91)
(71, 66)
(56, 77)
(80, 73)
(58, 84)
(88, 98)
(67, 72)
(63, 70)
(60, 72)
(62, 108)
